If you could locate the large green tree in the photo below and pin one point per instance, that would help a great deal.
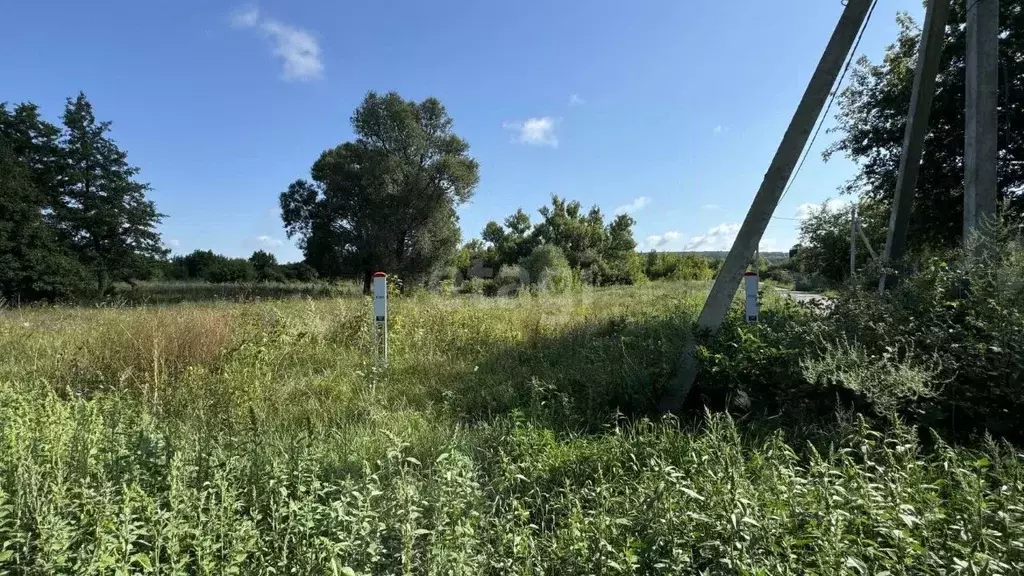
(385, 201)
(872, 118)
(34, 263)
(102, 211)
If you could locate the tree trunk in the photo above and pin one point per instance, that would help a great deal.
(102, 282)
(367, 279)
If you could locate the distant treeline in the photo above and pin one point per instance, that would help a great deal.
(205, 265)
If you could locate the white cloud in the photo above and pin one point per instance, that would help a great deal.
(534, 131)
(269, 242)
(172, 242)
(658, 241)
(298, 49)
(245, 17)
(576, 100)
(718, 129)
(638, 203)
(718, 238)
(832, 204)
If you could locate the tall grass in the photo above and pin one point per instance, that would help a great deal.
(505, 436)
(177, 292)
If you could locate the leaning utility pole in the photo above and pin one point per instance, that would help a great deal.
(767, 198)
(929, 56)
(982, 127)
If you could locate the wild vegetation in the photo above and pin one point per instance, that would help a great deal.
(236, 419)
(516, 435)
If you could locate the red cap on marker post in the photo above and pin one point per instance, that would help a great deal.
(379, 275)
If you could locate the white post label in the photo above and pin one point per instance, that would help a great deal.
(752, 307)
(380, 313)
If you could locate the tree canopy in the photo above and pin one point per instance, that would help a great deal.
(599, 253)
(385, 201)
(872, 118)
(70, 206)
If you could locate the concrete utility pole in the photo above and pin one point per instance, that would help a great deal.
(867, 243)
(980, 148)
(853, 243)
(929, 56)
(767, 198)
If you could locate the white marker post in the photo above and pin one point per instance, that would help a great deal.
(752, 307)
(380, 315)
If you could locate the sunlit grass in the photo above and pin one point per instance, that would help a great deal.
(505, 436)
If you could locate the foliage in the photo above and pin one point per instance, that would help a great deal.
(872, 120)
(822, 258)
(297, 272)
(508, 282)
(34, 265)
(103, 213)
(385, 201)
(887, 382)
(231, 270)
(265, 267)
(960, 315)
(825, 244)
(512, 243)
(262, 266)
(599, 254)
(943, 349)
(676, 266)
(549, 269)
(156, 293)
(71, 206)
(260, 438)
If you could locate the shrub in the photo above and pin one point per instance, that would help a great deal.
(298, 272)
(621, 268)
(963, 315)
(942, 349)
(780, 275)
(473, 286)
(660, 265)
(757, 365)
(231, 270)
(548, 269)
(811, 283)
(509, 280)
(884, 384)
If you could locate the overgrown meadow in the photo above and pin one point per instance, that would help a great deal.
(505, 436)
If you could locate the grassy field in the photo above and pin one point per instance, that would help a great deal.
(178, 292)
(506, 436)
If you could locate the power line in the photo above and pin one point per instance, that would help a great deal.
(821, 121)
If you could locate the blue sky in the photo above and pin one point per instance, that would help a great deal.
(670, 110)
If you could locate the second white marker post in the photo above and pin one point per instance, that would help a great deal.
(752, 304)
